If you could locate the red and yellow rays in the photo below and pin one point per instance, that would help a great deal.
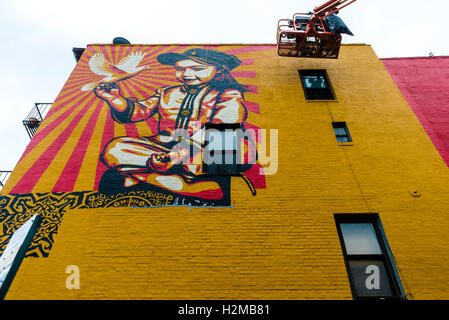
(64, 155)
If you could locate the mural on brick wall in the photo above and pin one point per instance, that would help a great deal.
(128, 129)
(171, 159)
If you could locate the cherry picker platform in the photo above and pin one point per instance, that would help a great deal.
(315, 34)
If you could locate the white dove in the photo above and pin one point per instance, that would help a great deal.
(125, 69)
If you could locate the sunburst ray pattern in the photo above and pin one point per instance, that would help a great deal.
(64, 155)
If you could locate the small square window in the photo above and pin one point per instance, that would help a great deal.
(341, 132)
(371, 271)
(316, 85)
(220, 156)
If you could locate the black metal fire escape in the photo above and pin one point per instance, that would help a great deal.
(35, 117)
(4, 175)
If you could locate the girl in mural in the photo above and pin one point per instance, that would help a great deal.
(207, 94)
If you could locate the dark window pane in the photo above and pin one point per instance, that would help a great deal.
(220, 156)
(221, 169)
(230, 157)
(316, 85)
(341, 132)
(214, 139)
(221, 139)
(315, 82)
(319, 94)
(370, 278)
(230, 139)
(370, 269)
(343, 139)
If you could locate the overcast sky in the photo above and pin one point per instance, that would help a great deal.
(38, 36)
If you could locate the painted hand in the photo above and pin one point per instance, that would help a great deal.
(107, 91)
(162, 162)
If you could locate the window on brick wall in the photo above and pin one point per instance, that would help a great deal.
(341, 132)
(369, 262)
(316, 85)
(222, 149)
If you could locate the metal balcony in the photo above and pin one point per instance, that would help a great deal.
(35, 117)
(4, 175)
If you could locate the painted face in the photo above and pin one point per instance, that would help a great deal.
(194, 73)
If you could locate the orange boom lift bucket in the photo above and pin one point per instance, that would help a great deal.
(307, 34)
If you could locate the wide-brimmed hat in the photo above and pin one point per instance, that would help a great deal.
(204, 56)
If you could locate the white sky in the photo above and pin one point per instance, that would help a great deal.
(38, 36)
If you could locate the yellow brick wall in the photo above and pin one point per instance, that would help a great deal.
(283, 243)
